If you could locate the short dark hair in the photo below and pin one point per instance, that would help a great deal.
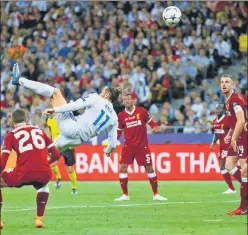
(227, 76)
(19, 115)
(114, 93)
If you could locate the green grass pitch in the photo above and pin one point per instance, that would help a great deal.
(193, 207)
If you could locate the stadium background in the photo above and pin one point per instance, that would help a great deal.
(80, 47)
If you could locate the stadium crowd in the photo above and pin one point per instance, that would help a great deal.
(82, 46)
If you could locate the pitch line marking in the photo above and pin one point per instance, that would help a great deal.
(111, 205)
(212, 220)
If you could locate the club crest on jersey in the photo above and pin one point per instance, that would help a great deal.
(138, 116)
(227, 106)
(222, 126)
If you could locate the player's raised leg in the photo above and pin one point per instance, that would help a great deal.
(38, 87)
(41, 201)
(1, 202)
(154, 183)
(123, 177)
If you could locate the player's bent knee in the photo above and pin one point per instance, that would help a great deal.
(230, 164)
(57, 92)
(149, 169)
(45, 189)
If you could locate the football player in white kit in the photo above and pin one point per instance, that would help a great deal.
(98, 116)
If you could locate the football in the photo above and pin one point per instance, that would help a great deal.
(172, 16)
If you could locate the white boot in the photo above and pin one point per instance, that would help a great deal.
(123, 198)
(229, 191)
(157, 197)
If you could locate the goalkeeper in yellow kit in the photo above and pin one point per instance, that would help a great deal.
(68, 157)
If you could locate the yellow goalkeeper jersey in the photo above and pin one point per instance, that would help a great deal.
(53, 127)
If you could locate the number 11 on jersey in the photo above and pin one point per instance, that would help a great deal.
(102, 116)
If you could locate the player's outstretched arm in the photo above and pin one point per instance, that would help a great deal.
(73, 106)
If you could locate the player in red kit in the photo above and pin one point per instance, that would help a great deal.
(133, 122)
(235, 109)
(221, 127)
(32, 167)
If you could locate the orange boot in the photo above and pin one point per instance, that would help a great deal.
(1, 224)
(39, 222)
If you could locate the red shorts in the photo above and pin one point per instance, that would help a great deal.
(141, 154)
(242, 145)
(38, 179)
(228, 152)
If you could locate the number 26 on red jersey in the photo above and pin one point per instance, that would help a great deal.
(37, 140)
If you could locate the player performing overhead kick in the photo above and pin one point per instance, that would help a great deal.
(99, 114)
(237, 137)
(133, 122)
(32, 167)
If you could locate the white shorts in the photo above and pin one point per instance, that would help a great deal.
(62, 142)
(68, 125)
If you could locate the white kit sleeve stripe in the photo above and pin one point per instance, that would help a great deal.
(51, 145)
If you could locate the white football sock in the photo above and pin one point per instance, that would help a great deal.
(37, 87)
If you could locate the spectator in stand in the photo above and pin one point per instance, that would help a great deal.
(197, 107)
(82, 46)
(202, 64)
(190, 72)
(224, 50)
(188, 129)
(244, 77)
(180, 122)
(142, 90)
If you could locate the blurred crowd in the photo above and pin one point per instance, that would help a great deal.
(80, 47)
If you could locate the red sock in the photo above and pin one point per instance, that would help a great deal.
(236, 173)
(154, 182)
(244, 194)
(123, 182)
(227, 178)
(41, 200)
(1, 202)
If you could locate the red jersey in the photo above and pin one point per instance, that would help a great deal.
(221, 127)
(31, 145)
(233, 104)
(134, 126)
